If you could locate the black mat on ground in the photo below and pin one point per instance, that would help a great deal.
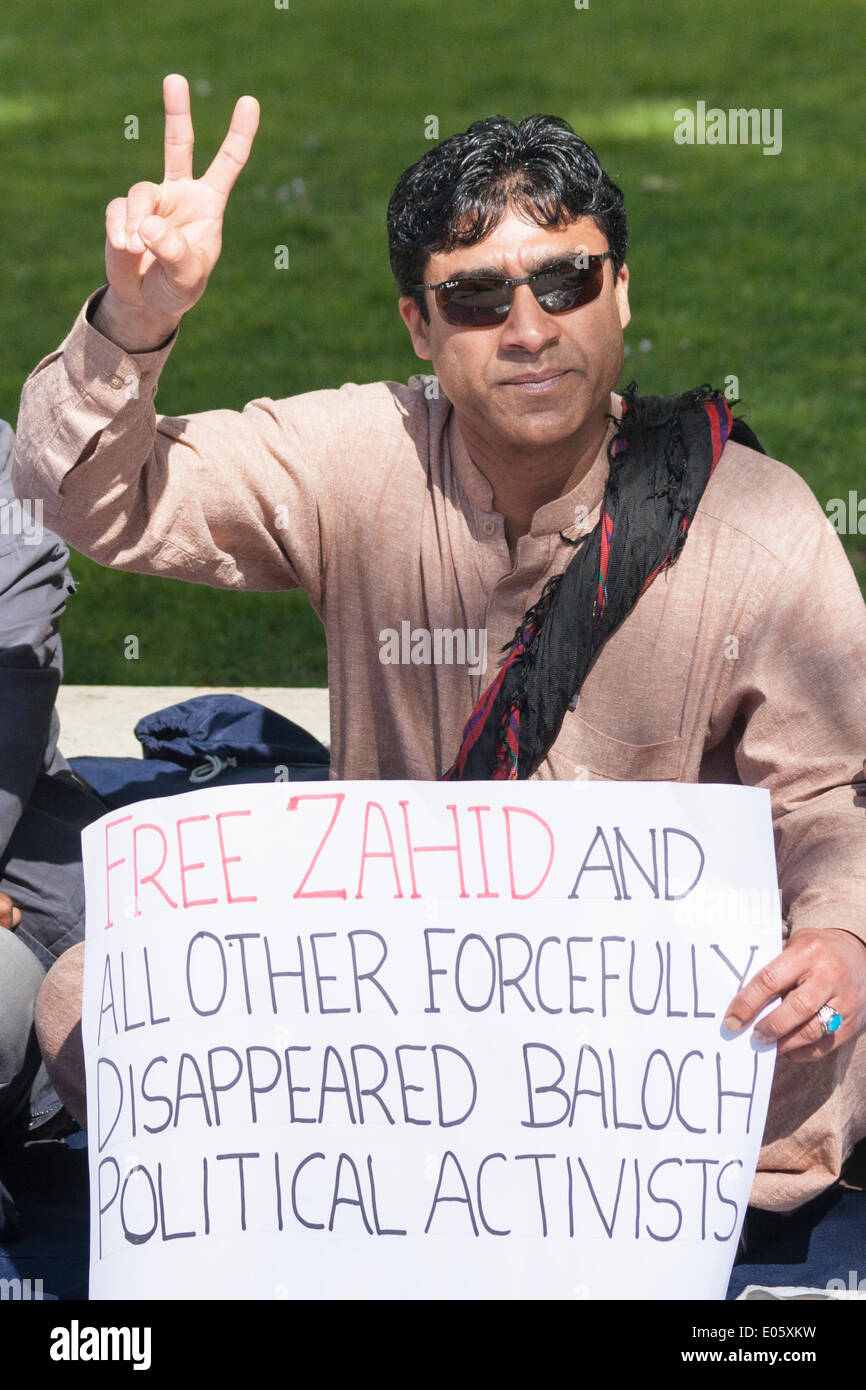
(48, 1182)
(823, 1240)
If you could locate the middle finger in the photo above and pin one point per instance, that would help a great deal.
(797, 1013)
(179, 135)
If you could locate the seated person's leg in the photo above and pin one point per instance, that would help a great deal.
(41, 873)
(58, 1025)
(21, 976)
(41, 868)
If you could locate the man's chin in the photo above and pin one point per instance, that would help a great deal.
(541, 428)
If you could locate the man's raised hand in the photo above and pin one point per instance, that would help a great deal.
(163, 240)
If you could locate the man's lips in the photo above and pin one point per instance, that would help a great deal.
(537, 383)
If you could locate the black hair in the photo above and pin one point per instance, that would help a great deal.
(458, 192)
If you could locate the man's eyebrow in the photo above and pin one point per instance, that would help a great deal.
(536, 262)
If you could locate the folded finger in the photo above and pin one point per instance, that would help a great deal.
(140, 203)
(811, 1033)
(115, 224)
(171, 248)
(810, 1052)
(797, 1011)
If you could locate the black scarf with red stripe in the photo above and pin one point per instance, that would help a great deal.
(661, 459)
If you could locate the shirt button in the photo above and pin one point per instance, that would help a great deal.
(488, 527)
(116, 382)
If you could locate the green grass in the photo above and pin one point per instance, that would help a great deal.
(742, 264)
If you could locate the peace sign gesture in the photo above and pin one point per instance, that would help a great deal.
(163, 240)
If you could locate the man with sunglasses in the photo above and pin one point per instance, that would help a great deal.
(673, 604)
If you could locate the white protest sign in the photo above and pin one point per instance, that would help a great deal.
(424, 1040)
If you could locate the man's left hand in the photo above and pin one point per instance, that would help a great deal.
(816, 967)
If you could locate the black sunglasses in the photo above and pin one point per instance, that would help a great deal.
(481, 301)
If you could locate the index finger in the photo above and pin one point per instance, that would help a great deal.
(234, 151)
(774, 979)
(179, 137)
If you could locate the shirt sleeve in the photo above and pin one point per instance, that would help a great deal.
(800, 693)
(34, 583)
(226, 498)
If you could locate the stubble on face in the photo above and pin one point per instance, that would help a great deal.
(534, 390)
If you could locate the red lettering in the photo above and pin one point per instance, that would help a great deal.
(108, 867)
(487, 893)
(434, 849)
(377, 853)
(339, 797)
(231, 858)
(522, 811)
(149, 878)
(189, 868)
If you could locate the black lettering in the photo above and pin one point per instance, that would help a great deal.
(241, 1181)
(532, 1122)
(513, 980)
(341, 1089)
(167, 1235)
(256, 1090)
(138, 1237)
(370, 974)
(606, 868)
(475, 1008)
(206, 936)
(324, 979)
(155, 1100)
(287, 974)
(243, 937)
(465, 1200)
(491, 1230)
(104, 1206)
(664, 1201)
(622, 845)
(215, 1090)
(371, 1091)
(633, 1002)
(536, 1158)
(340, 1201)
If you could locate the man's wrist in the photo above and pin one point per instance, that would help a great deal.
(831, 931)
(130, 328)
(850, 933)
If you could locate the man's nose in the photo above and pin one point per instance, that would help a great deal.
(528, 328)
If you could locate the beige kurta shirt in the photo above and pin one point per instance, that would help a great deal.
(744, 661)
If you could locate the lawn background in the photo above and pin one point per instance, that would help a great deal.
(742, 264)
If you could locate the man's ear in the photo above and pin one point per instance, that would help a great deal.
(418, 328)
(620, 289)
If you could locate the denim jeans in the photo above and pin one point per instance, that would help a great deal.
(21, 975)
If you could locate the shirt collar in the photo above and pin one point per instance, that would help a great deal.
(567, 514)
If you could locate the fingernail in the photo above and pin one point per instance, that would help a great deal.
(732, 1024)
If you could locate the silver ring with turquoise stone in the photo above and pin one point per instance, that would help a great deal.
(829, 1019)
